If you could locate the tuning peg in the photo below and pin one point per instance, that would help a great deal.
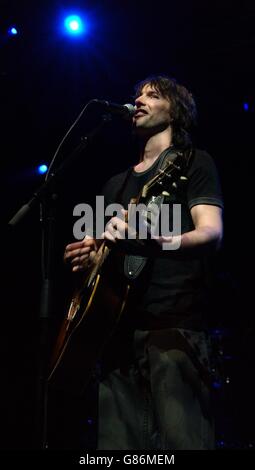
(165, 193)
(183, 178)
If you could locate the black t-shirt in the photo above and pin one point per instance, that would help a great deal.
(173, 287)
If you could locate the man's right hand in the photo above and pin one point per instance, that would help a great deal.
(80, 255)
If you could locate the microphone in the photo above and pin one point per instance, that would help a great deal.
(124, 110)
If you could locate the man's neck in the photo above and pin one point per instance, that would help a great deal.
(152, 148)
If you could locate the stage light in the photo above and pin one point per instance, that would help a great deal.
(221, 443)
(217, 385)
(74, 25)
(42, 169)
(246, 106)
(13, 31)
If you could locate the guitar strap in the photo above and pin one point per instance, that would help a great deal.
(134, 264)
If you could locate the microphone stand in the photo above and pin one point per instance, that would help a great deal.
(46, 196)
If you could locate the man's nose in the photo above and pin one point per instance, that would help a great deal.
(139, 101)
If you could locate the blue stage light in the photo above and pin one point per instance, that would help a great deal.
(42, 169)
(217, 385)
(246, 106)
(13, 31)
(74, 25)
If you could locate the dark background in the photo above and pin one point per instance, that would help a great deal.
(45, 80)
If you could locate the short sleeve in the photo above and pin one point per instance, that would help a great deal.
(108, 195)
(203, 181)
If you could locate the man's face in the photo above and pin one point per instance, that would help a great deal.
(153, 112)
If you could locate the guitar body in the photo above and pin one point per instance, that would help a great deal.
(92, 317)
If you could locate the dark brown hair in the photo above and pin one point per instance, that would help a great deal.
(183, 108)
